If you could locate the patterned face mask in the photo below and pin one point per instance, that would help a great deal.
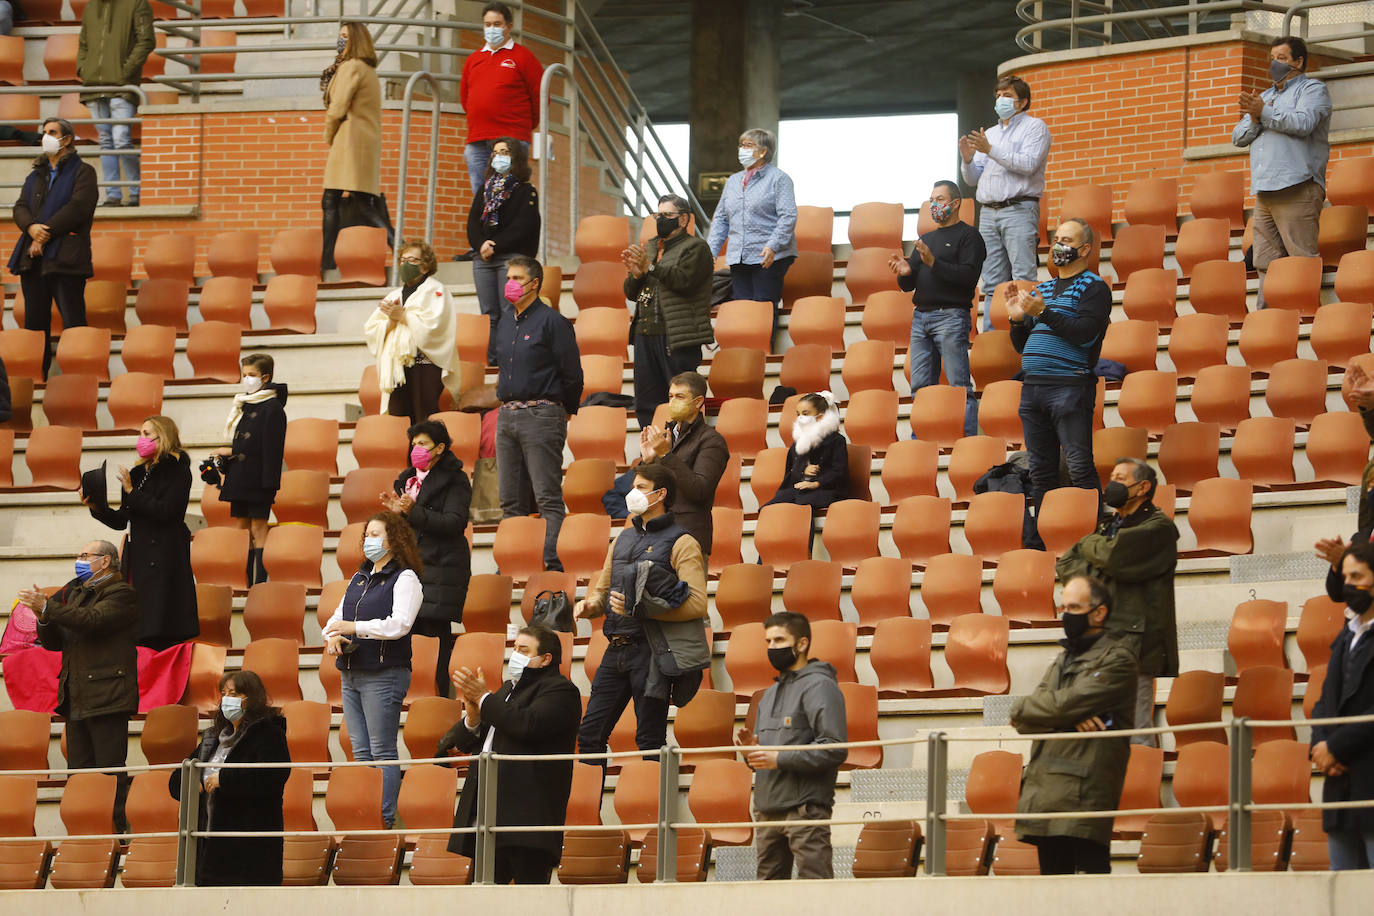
(1063, 255)
(940, 212)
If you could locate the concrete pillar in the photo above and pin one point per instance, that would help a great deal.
(973, 104)
(735, 75)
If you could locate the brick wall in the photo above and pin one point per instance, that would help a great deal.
(1127, 116)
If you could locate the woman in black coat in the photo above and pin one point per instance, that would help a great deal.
(157, 554)
(503, 221)
(252, 464)
(433, 494)
(245, 730)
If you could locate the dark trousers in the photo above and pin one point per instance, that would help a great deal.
(418, 396)
(363, 210)
(529, 457)
(102, 741)
(443, 684)
(777, 848)
(1055, 417)
(760, 284)
(522, 865)
(654, 369)
(620, 679)
(40, 292)
(1071, 855)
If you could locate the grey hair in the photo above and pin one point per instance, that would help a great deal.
(62, 123)
(1142, 471)
(1088, 235)
(106, 549)
(679, 202)
(763, 139)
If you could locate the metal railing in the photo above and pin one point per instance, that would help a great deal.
(1238, 809)
(1302, 9)
(1084, 24)
(58, 90)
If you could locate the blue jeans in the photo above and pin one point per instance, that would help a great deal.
(757, 283)
(372, 709)
(490, 279)
(477, 156)
(529, 458)
(1055, 417)
(116, 136)
(1011, 235)
(6, 17)
(1349, 849)
(941, 337)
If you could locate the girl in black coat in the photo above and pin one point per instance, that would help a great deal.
(157, 554)
(433, 494)
(245, 730)
(503, 221)
(252, 465)
(817, 470)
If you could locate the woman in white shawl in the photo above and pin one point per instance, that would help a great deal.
(413, 334)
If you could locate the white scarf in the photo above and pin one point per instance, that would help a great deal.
(430, 327)
(805, 437)
(236, 412)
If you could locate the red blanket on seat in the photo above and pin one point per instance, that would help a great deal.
(31, 677)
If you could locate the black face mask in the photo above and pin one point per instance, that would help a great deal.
(782, 658)
(1075, 626)
(667, 225)
(1357, 599)
(1116, 494)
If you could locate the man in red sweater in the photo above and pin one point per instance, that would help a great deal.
(499, 91)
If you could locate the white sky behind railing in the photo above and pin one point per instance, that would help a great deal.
(840, 162)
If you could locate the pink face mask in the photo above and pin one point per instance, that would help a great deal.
(419, 457)
(145, 447)
(514, 290)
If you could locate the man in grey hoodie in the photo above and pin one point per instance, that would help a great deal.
(804, 706)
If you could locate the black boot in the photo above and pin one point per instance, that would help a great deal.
(329, 224)
(258, 572)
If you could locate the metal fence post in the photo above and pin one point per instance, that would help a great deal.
(937, 770)
(188, 819)
(1238, 826)
(484, 855)
(669, 765)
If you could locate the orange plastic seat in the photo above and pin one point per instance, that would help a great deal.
(736, 372)
(850, 531)
(814, 320)
(1092, 202)
(380, 442)
(859, 461)
(815, 228)
(1148, 399)
(1219, 515)
(1023, 585)
(1217, 287)
(106, 307)
(584, 483)
(473, 334)
(53, 457)
(805, 367)
(992, 523)
(743, 323)
(1219, 195)
(920, 527)
(1297, 389)
(636, 795)
(993, 358)
(1137, 248)
(227, 299)
(171, 257)
(1205, 239)
(900, 655)
(1151, 295)
(307, 729)
(708, 720)
(583, 541)
(1153, 201)
(274, 659)
(937, 413)
(312, 444)
(85, 350)
(861, 717)
(1188, 453)
(1269, 336)
(24, 739)
(598, 432)
(234, 254)
(1265, 692)
(602, 374)
(305, 860)
(519, 546)
(163, 301)
(218, 63)
(71, 400)
(1197, 341)
(1256, 635)
(970, 459)
(292, 554)
(1340, 331)
(968, 848)
(1132, 342)
(150, 348)
(812, 274)
(170, 734)
(782, 535)
(998, 410)
(746, 660)
(868, 272)
(359, 497)
(1113, 442)
(214, 609)
(727, 535)
(911, 466)
(744, 594)
(976, 652)
(874, 224)
(427, 719)
(1175, 843)
(1338, 447)
(1355, 277)
(599, 284)
(207, 667)
(952, 586)
(1281, 773)
(361, 255)
(1066, 515)
(1318, 626)
(276, 610)
(835, 641)
(744, 424)
(871, 418)
(290, 298)
(1196, 696)
(1294, 283)
(868, 366)
(1263, 450)
(1309, 843)
(887, 316)
(86, 808)
(603, 331)
(1351, 182)
(297, 251)
(769, 470)
(994, 783)
(997, 308)
(1221, 395)
(23, 865)
(812, 588)
(1270, 842)
(213, 349)
(465, 429)
(1341, 230)
(59, 57)
(303, 498)
(12, 60)
(882, 588)
(601, 238)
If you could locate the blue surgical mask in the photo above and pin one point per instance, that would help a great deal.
(746, 156)
(495, 35)
(232, 707)
(1004, 107)
(374, 548)
(500, 164)
(83, 570)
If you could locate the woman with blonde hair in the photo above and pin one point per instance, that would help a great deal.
(353, 130)
(157, 554)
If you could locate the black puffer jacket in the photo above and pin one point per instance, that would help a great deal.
(440, 520)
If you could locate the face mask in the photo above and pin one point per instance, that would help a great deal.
(373, 549)
(1278, 69)
(940, 212)
(667, 225)
(145, 447)
(251, 384)
(517, 665)
(637, 502)
(419, 457)
(746, 156)
(514, 290)
(802, 423)
(782, 658)
(232, 707)
(411, 273)
(680, 411)
(501, 164)
(1357, 599)
(83, 570)
(52, 145)
(1004, 107)
(1063, 255)
(1116, 494)
(1075, 625)
(495, 35)
(341, 44)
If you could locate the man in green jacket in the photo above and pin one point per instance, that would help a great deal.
(1089, 688)
(671, 289)
(116, 38)
(1135, 551)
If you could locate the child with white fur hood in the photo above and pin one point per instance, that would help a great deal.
(817, 471)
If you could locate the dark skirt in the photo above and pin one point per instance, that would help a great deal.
(429, 626)
(249, 508)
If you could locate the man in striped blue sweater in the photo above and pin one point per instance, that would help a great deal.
(1058, 330)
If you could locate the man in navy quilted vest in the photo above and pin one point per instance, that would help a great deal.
(1058, 330)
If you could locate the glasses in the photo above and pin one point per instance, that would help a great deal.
(673, 215)
(89, 556)
(412, 260)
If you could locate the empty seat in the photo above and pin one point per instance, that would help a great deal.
(595, 858)
(1338, 447)
(1293, 283)
(986, 525)
(1219, 515)
(583, 540)
(85, 350)
(292, 554)
(911, 466)
(998, 410)
(1151, 294)
(1219, 195)
(426, 801)
(598, 432)
(170, 735)
(312, 444)
(816, 320)
(1066, 515)
(976, 652)
(994, 783)
(24, 740)
(1265, 692)
(743, 323)
(106, 306)
(769, 469)
(805, 367)
(743, 422)
(812, 274)
(234, 254)
(992, 358)
(1281, 773)
(12, 60)
(1221, 395)
(1188, 453)
(1268, 337)
(1297, 389)
(519, 546)
(290, 298)
(1318, 626)
(53, 457)
(213, 349)
(602, 374)
(782, 535)
(900, 656)
(23, 865)
(601, 238)
(1309, 843)
(71, 400)
(1256, 635)
(163, 301)
(275, 661)
(1148, 399)
(970, 459)
(1137, 248)
(297, 251)
(850, 531)
(871, 419)
(746, 660)
(920, 528)
(86, 808)
(1174, 843)
(22, 352)
(1023, 585)
(881, 589)
(599, 284)
(1202, 240)
(150, 348)
(952, 586)
(937, 413)
(380, 442)
(861, 716)
(887, 316)
(868, 272)
(1217, 287)
(744, 594)
(1153, 201)
(228, 299)
(815, 228)
(1133, 343)
(1197, 341)
(736, 373)
(360, 496)
(1263, 450)
(360, 252)
(1355, 277)
(875, 224)
(59, 57)
(276, 610)
(207, 667)
(693, 856)
(968, 847)
(1340, 331)
(1342, 230)
(214, 609)
(1144, 776)
(835, 641)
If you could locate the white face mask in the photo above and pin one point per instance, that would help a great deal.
(52, 145)
(232, 707)
(517, 665)
(746, 156)
(637, 501)
(252, 384)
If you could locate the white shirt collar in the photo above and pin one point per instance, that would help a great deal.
(510, 43)
(1356, 626)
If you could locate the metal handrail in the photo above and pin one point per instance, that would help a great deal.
(546, 154)
(1300, 9)
(1029, 38)
(402, 186)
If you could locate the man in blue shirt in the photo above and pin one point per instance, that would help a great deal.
(1285, 127)
(539, 386)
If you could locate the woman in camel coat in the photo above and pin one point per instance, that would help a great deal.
(353, 130)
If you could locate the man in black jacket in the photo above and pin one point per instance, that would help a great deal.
(535, 712)
(692, 451)
(93, 621)
(942, 276)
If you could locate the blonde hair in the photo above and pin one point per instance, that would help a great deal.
(168, 439)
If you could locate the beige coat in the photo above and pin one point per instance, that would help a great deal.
(353, 129)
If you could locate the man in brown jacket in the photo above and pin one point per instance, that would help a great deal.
(692, 451)
(93, 622)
